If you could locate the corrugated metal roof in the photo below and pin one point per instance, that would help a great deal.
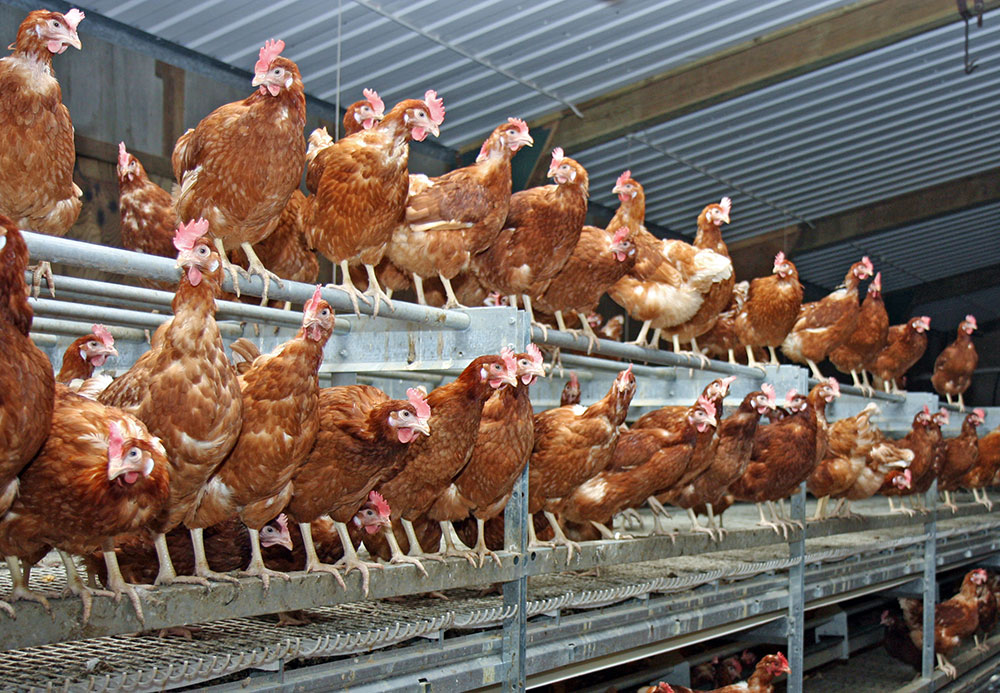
(578, 49)
(890, 121)
(916, 253)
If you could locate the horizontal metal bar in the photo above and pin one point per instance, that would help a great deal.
(103, 314)
(127, 263)
(631, 352)
(71, 328)
(663, 373)
(853, 390)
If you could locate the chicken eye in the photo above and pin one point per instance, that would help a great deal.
(92, 344)
(420, 114)
(56, 24)
(405, 414)
(325, 312)
(203, 250)
(134, 453)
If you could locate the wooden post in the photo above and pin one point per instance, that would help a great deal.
(173, 104)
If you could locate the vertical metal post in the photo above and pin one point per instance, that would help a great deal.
(515, 592)
(930, 581)
(797, 595)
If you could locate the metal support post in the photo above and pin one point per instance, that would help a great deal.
(930, 581)
(515, 592)
(797, 595)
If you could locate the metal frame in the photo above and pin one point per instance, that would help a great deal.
(421, 344)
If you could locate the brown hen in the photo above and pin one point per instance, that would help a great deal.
(953, 368)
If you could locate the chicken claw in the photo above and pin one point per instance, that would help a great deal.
(42, 269)
(19, 590)
(375, 291)
(257, 267)
(561, 539)
(397, 554)
(947, 667)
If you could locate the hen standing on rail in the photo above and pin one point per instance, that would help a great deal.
(770, 309)
(451, 218)
(541, 231)
(239, 166)
(280, 421)
(37, 152)
(867, 339)
(823, 325)
(360, 115)
(361, 440)
(361, 196)
(905, 344)
(954, 366)
(184, 388)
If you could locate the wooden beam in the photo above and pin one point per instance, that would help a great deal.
(751, 254)
(108, 153)
(173, 104)
(828, 38)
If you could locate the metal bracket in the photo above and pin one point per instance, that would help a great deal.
(963, 11)
(837, 627)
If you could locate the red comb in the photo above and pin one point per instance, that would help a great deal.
(115, 439)
(73, 18)
(435, 106)
(927, 410)
(620, 235)
(374, 101)
(626, 174)
(791, 394)
(381, 506)
(419, 403)
(834, 385)
(101, 332)
(868, 264)
(779, 258)
(268, 52)
(971, 319)
(282, 522)
(534, 353)
(188, 234)
(768, 390)
(507, 352)
(706, 404)
(981, 413)
(557, 156)
(510, 363)
(726, 205)
(313, 303)
(518, 123)
(122, 155)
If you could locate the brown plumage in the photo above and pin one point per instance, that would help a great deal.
(982, 473)
(100, 473)
(146, 214)
(760, 681)
(184, 388)
(361, 196)
(849, 442)
(453, 217)
(285, 251)
(571, 391)
(953, 368)
(360, 115)
(37, 152)
(905, 344)
(823, 325)
(542, 227)
(708, 237)
(923, 440)
(867, 338)
(674, 417)
(771, 307)
(961, 453)
(955, 619)
(26, 391)
(239, 165)
(610, 491)
(280, 420)
(573, 444)
(85, 354)
(503, 445)
(597, 262)
(431, 464)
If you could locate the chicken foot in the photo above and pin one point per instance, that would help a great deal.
(416, 550)
(350, 558)
(166, 575)
(961, 402)
(453, 545)
(19, 587)
(631, 517)
(116, 581)
(42, 269)
(561, 538)
(588, 332)
(843, 510)
(949, 502)
(347, 286)
(697, 526)
(778, 527)
(947, 667)
(315, 565)
(397, 553)
(815, 369)
(820, 513)
(774, 356)
(533, 541)
(643, 332)
(711, 522)
(985, 499)
(608, 534)
(257, 567)
(201, 567)
(901, 509)
(375, 291)
(449, 292)
(74, 585)
(418, 288)
(480, 548)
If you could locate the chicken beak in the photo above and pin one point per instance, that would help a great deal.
(107, 351)
(420, 426)
(258, 79)
(73, 39)
(433, 129)
(724, 218)
(286, 541)
(118, 468)
(509, 378)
